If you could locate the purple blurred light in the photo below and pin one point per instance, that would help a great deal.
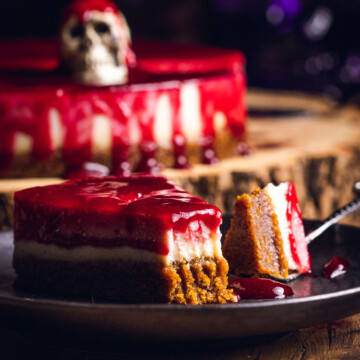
(350, 73)
(290, 8)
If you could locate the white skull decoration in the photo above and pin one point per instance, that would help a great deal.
(95, 42)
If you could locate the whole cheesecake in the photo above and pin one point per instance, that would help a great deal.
(181, 105)
(133, 239)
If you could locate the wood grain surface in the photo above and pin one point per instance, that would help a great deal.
(318, 149)
(338, 340)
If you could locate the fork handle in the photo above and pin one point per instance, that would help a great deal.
(333, 219)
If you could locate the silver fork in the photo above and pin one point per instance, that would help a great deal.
(333, 219)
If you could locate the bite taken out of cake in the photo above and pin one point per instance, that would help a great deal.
(133, 239)
(266, 237)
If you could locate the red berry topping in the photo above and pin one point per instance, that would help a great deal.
(335, 267)
(253, 288)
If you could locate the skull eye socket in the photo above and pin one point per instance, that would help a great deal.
(77, 31)
(101, 28)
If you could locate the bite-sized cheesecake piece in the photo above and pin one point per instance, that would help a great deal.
(266, 236)
(134, 239)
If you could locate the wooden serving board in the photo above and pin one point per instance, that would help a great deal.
(302, 138)
(317, 147)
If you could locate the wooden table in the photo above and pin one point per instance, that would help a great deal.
(338, 340)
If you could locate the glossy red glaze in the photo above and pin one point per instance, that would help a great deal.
(87, 169)
(110, 212)
(181, 161)
(29, 54)
(254, 288)
(155, 58)
(148, 163)
(192, 59)
(335, 267)
(298, 245)
(26, 101)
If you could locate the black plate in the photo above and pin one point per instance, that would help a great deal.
(316, 300)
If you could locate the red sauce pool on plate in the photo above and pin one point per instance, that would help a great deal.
(335, 267)
(254, 288)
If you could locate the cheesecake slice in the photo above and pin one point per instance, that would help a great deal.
(267, 237)
(134, 239)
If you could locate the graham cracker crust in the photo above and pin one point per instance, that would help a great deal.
(196, 282)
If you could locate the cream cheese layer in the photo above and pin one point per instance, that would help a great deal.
(277, 195)
(180, 245)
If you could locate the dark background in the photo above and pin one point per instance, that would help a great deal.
(292, 44)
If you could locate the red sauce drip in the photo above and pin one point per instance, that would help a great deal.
(181, 161)
(145, 107)
(219, 97)
(120, 136)
(27, 115)
(209, 155)
(192, 59)
(25, 103)
(78, 113)
(254, 288)
(298, 246)
(148, 162)
(109, 212)
(335, 267)
(243, 149)
(123, 168)
(208, 105)
(178, 139)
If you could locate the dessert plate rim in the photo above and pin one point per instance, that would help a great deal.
(251, 317)
(257, 303)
